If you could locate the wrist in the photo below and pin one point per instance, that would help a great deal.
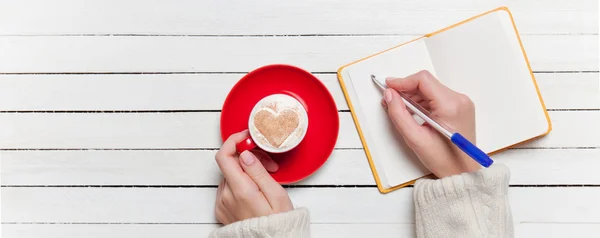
(456, 167)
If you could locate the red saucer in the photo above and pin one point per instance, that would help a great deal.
(323, 120)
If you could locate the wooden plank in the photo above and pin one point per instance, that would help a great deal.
(128, 92)
(208, 91)
(201, 130)
(127, 130)
(560, 167)
(197, 168)
(273, 17)
(190, 230)
(585, 134)
(550, 230)
(318, 230)
(103, 230)
(195, 205)
(583, 88)
(28, 54)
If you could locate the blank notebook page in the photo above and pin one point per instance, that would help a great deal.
(395, 162)
(483, 59)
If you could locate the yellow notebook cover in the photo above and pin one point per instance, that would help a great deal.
(482, 57)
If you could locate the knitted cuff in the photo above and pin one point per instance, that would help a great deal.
(466, 205)
(295, 223)
(492, 181)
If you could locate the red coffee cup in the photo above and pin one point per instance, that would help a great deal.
(320, 139)
(277, 124)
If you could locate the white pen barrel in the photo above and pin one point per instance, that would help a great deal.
(419, 120)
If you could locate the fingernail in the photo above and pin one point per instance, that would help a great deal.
(387, 95)
(384, 104)
(247, 157)
(273, 167)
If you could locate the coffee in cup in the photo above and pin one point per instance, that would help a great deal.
(277, 124)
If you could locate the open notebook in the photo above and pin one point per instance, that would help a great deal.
(481, 57)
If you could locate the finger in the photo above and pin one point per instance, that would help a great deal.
(228, 204)
(400, 115)
(424, 82)
(218, 211)
(220, 188)
(229, 165)
(269, 164)
(221, 211)
(425, 105)
(406, 87)
(228, 146)
(255, 170)
(223, 216)
(417, 98)
(227, 198)
(411, 94)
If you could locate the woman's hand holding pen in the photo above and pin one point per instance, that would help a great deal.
(435, 151)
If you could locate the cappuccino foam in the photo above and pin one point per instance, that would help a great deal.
(278, 123)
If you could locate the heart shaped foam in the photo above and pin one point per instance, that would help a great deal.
(276, 127)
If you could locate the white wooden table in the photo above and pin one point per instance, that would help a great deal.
(110, 110)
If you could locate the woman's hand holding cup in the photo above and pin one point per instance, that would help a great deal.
(247, 189)
(276, 124)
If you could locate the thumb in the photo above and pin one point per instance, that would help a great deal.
(400, 116)
(257, 172)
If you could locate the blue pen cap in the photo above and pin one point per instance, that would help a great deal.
(470, 149)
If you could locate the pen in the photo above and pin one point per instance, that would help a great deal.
(460, 141)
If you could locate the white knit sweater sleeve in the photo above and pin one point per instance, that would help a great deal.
(466, 205)
(295, 223)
